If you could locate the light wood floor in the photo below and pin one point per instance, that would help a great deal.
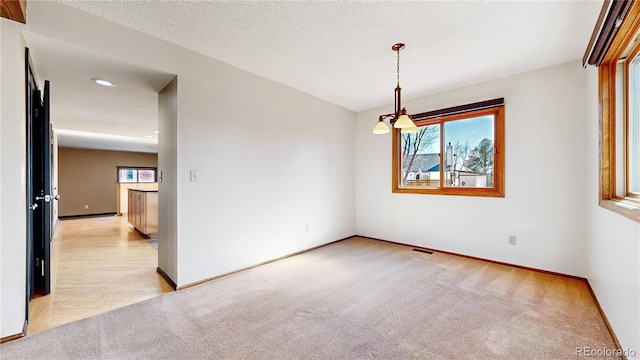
(97, 264)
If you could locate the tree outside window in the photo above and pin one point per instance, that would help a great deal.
(460, 154)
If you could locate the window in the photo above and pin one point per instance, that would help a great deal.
(456, 151)
(632, 80)
(614, 49)
(136, 174)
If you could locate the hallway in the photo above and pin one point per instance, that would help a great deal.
(97, 264)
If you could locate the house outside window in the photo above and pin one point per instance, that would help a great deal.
(453, 154)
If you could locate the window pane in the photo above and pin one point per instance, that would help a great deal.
(147, 175)
(127, 175)
(634, 125)
(469, 152)
(420, 156)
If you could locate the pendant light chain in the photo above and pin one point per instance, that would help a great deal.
(398, 67)
(399, 119)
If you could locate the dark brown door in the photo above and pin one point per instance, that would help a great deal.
(39, 197)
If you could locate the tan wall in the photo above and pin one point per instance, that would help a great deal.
(88, 177)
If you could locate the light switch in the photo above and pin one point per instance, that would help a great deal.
(193, 175)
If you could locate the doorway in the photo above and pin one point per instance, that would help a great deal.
(132, 83)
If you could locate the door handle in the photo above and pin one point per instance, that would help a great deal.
(33, 207)
(46, 198)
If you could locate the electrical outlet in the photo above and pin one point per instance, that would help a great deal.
(86, 207)
(512, 239)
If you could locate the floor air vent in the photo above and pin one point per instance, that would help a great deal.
(423, 251)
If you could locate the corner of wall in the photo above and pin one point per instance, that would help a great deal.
(612, 243)
(13, 182)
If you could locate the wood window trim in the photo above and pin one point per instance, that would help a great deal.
(607, 198)
(605, 31)
(14, 10)
(496, 191)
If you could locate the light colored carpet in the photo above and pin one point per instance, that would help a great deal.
(355, 299)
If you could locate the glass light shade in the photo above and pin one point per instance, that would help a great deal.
(403, 122)
(410, 129)
(381, 128)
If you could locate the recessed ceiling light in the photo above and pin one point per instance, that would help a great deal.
(156, 132)
(103, 82)
(148, 136)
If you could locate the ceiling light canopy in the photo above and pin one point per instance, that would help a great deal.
(399, 119)
(103, 82)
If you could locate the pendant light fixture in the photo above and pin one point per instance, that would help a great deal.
(410, 129)
(399, 119)
(381, 127)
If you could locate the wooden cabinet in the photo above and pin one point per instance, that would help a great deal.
(143, 210)
(122, 194)
(131, 204)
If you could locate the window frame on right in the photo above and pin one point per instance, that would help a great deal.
(614, 114)
(493, 184)
(632, 124)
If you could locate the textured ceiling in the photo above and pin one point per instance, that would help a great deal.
(340, 51)
(337, 51)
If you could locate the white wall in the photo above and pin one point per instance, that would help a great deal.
(613, 259)
(12, 183)
(544, 206)
(1, 242)
(270, 159)
(168, 183)
(551, 129)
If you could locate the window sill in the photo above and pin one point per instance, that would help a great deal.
(459, 191)
(627, 207)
